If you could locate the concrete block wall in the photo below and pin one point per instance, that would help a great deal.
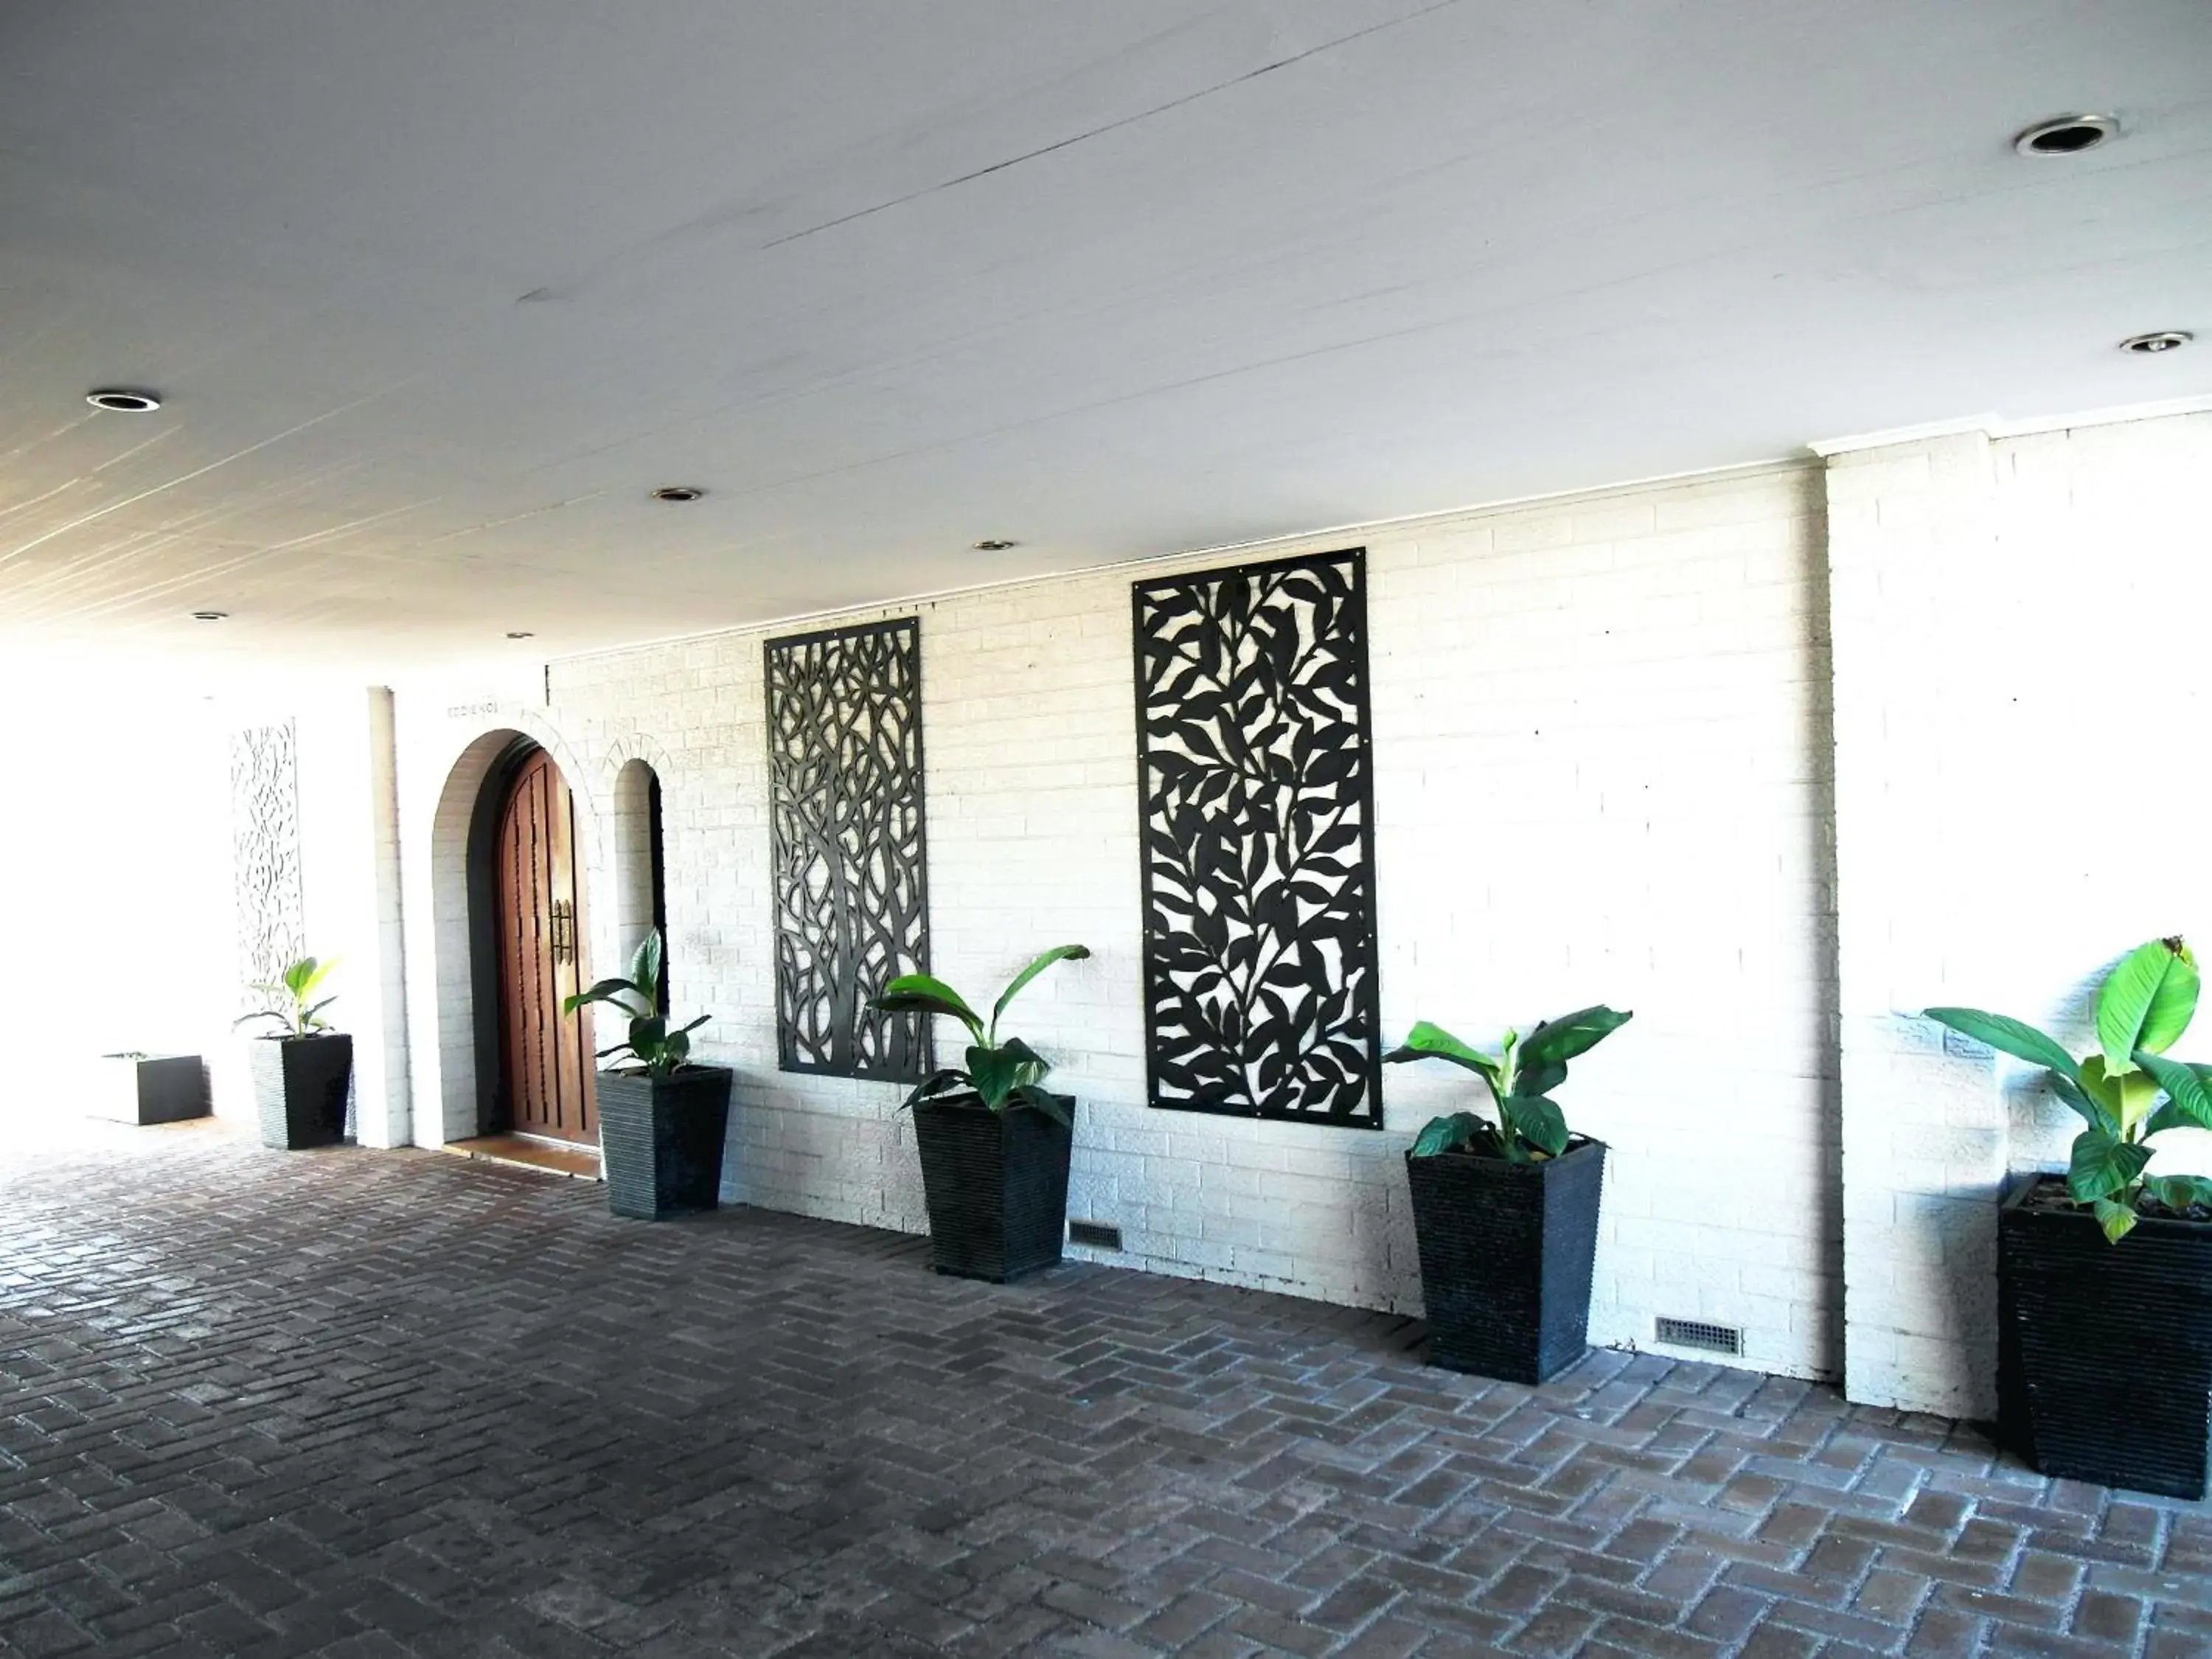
(1602, 775)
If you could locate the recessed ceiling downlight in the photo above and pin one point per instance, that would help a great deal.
(677, 492)
(994, 544)
(210, 616)
(520, 633)
(2150, 345)
(124, 401)
(2069, 135)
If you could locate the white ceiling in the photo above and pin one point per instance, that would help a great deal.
(437, 289)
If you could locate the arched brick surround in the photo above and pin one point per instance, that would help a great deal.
(448, 1109)
(621, 907)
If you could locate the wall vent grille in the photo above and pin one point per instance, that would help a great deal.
(1699, 1334)
(1097, 1234)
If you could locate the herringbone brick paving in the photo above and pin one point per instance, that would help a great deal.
(369, 1404)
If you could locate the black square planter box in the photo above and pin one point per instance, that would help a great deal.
(2105, 1351)
(996, 1184)
(301, 1087)
(660, 1140)
(146, 1089)
(1506, 1254)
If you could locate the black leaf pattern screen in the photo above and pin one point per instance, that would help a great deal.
(265, 816)
(1258, 840)
(846, 834)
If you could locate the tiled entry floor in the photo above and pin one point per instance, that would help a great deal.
(580, 1162)
(372, 1403)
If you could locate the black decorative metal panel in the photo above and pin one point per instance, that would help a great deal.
(1258, 840)
(852, 890)
(265, 822)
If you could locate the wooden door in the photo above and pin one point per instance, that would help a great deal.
(547, 1055)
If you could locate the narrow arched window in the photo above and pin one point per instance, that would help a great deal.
(641, 882)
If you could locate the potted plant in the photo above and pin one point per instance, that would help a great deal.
(1505, 1212)
(994, 1144)
(303, 1072)
(2105, 1275)
(661, 1121)
(140, 1088)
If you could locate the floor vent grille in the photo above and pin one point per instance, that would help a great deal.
(1698, 1334)
(1097, 1234)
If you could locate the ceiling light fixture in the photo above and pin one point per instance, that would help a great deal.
(677, 492)
(994, 544)
(2149, 345)
(520, 633)
(210, 616)
(123, 402)
(2069, 135)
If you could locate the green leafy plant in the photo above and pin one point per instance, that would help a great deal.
(1530, 1125)
(659, 1050)
(1007, 1075)
(2143, 1006)
(289, 995)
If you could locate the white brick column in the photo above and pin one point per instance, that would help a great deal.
(393, 1125)
(1924, 1134)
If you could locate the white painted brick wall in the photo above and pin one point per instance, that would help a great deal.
(1612, 763)
(2020, 725)
(349, 905)
(1599, 777)
(1911, 533)
(389, 1120)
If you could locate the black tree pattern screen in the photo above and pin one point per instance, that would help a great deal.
(852, 899)
(1258, 834)
(264, 823)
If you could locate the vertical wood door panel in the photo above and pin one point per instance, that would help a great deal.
(546, 1054)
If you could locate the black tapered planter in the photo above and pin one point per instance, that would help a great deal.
(144, 1089)
(996, 1184)
(1506, 1254)
(660, 1139)
(2105, 1356)
(301, 1086)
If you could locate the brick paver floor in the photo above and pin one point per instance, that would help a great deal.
(368, 1404)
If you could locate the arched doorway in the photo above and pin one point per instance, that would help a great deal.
(536, 894)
